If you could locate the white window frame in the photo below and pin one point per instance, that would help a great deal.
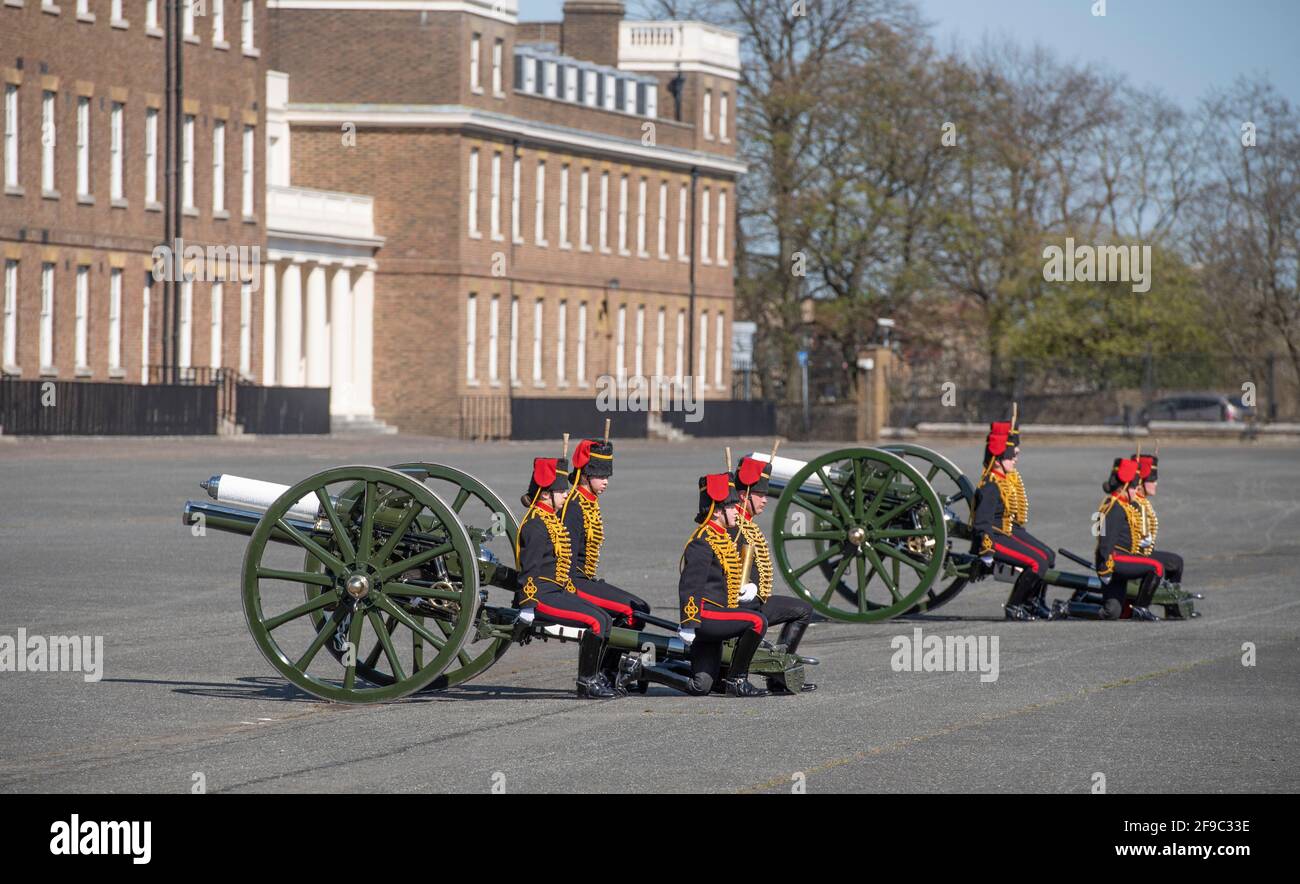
(721, 247)
(640, 219)
(471, 339)
(516, 218)
(724, 107)
(187, 17)
(702, 365)
(561, 344)
(494, 197)
(514, 340)
(473, 193)
(494, 373)
(538, 320)
(584, 211)
(681, 344)
(498, 59)
(217, 303)
(81, 329)
(218, 21)
(187, 163)
(218, 166)
(620, 352)
(622, 214)
(151, 14)
(47, 316)
(10, 315)
(660, 322)
(249, 196)
(720, 335)
(704, 227)
(682, 197)
(83, 146)
(11, 135)
(475, 47)
(638, 358)
(603, 233)
(115, 319)
(151, 155)
(708, 114)
(185, 324)
(539, 215)
(663, 220)
(115, 10)
(116, 185)
(564, 207)
(246, 329)
(580, 357)
(247, 22)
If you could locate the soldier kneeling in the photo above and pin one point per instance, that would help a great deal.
(1120, 555)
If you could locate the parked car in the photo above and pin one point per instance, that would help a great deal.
(1196, 407)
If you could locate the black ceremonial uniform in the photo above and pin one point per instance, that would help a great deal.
(1148, 471)
(1118, 557)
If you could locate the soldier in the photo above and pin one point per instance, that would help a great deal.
(546, 591)
(1119, 545)
(711, 594)
(1148, 474)
(998, 524)
(793, 614)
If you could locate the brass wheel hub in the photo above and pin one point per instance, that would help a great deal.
(358, 586)
(857, 535)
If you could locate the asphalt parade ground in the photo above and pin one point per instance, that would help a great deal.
(91, 544)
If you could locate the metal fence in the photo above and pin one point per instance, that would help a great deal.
(282, 410)
(86, 408)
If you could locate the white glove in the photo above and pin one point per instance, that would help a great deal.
(1105, 581)
(526, 615)
(1146, 542)
(686, 635)
(748, 591)
(987, 559)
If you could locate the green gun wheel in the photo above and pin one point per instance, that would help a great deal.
(370, 520)
(865, 510)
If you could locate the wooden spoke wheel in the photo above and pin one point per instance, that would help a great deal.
(873, 521)
(379, 537)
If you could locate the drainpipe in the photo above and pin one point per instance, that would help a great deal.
(690, 354)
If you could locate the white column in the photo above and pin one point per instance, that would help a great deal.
(318, 341)
(290, 329)
(269, 316)
(363, 340)
(340, 341)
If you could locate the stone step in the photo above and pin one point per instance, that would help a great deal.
(360, 426)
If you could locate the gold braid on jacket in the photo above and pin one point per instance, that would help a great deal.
(762, 556)
(595, 534)
(1150, 524)
(1016, 499)
(727, 555)
(1133, 516)
(563, 552)
(1006, 492)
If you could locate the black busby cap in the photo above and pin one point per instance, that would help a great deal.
(595, 457)
(752, 474)
(549, 474)
(1147, 464)
(717, 490)
(1123, 472)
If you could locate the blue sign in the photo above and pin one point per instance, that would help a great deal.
(803, 358)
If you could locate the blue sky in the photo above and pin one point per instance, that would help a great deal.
(1182, 47)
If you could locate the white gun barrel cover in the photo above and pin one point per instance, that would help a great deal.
(256, 494)
(784, 468)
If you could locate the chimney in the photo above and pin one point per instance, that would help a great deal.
(591, 30)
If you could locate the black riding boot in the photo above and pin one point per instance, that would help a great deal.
(736, 684)
(1146, 592)
(791, 635)
(591, 682)
(1019, 605)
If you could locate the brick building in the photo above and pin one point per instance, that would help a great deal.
(89, 128)
(547, 195)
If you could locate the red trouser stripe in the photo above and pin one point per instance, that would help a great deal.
(1018, 556)
(756, 622)
(1142, 560)
(607, 604)
(561, 614)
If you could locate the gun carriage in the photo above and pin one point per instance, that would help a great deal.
(869, 534)
(364, 584)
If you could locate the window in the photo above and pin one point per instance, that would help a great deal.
(151, 155)
(187, 13)
(516, 222)
(526, 73)
(83, 7)
(640, 219)
(498, 51)
(663, 219)
(609, 98)
(218, 166)
(581, 356)
(539, 220)
(659, 343)
(570, 83)
(82, 328)
(514, 341)
(702, 364)
(83, 146)
(722, 227)
(471, 339)
(708, 113)
(473, 193)
(584, 238)
(144, 327)
(115, 153)
(551, 86)
(115, 319)
(11, 135)
(620, 357)
(246, 329)
(250, 207)
(246, 25)
(115, 10)
(564, 207)
(494, 374)
(537, 343)
(622, 215)
(151, 13)
(494, 209)
(11, 314)
(561, 343)
(187, 314)
(639, 363)
(590, 81)
(187, 162)
(723, 105)
(603, 233)
(218, 21)
(214, 333)
(681, 343)
(473, 63)
(720, 336)
(681, 223)
(48, 131)
(704, 227)
(47, 316)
